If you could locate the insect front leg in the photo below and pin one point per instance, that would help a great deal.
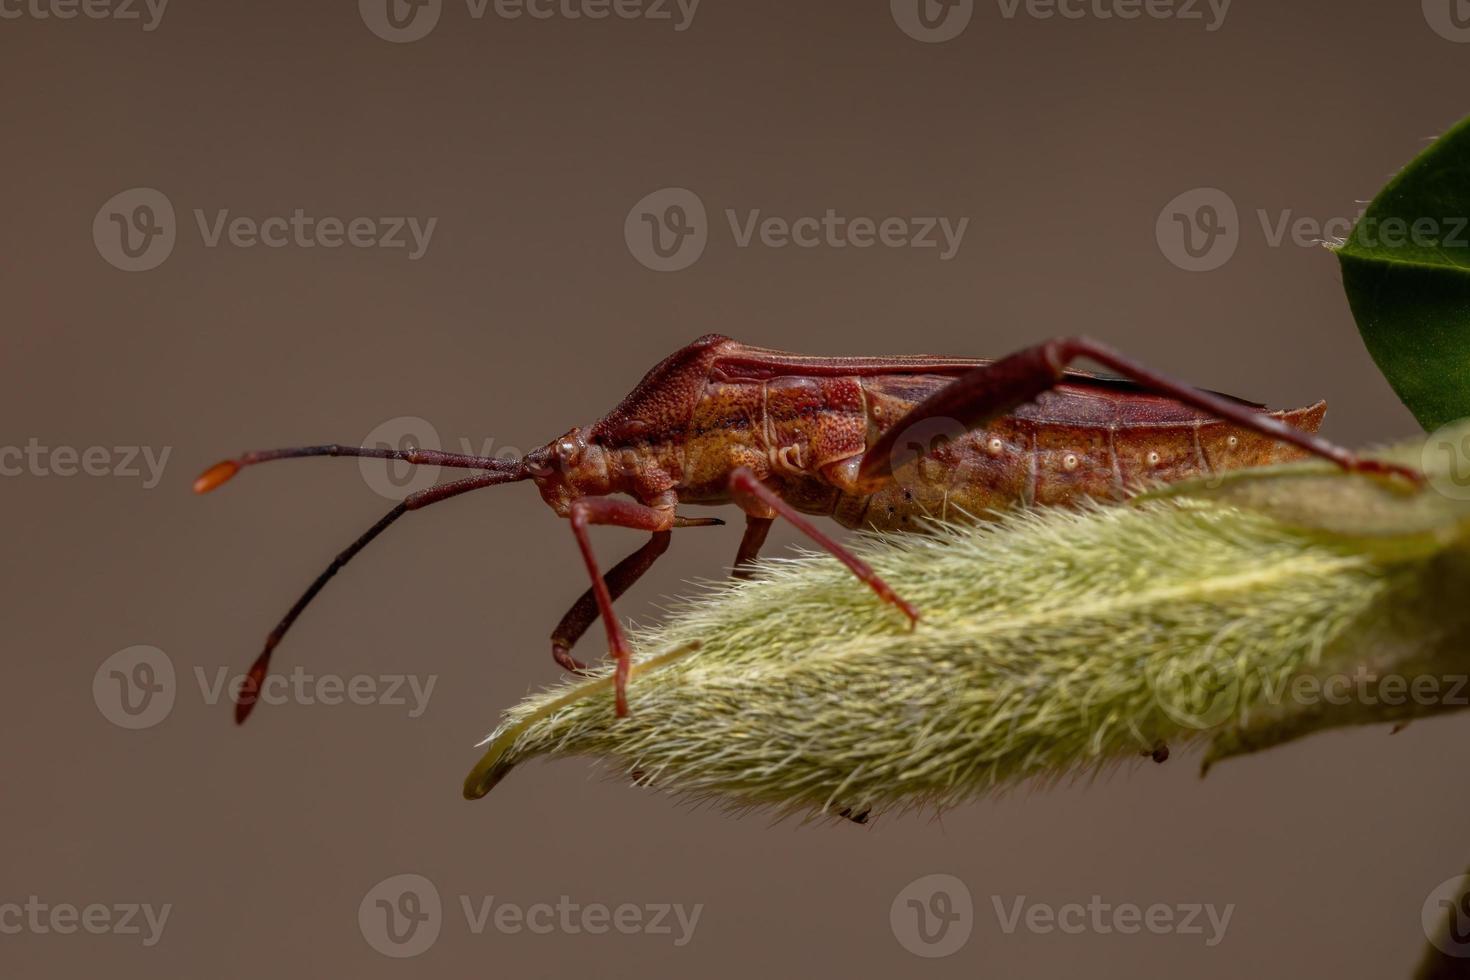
(760, 501)
(619, 513)
(626, 572)
(584, 611)
(993, 390)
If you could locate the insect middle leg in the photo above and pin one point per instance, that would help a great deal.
(761, 502)
(756, 529)
(992, 390)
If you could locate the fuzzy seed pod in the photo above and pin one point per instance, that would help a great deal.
(1052, 643)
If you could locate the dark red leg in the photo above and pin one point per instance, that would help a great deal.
(256, 676)
(620, 513)
(584, 612)
(748, 490)
(756, 529)
(995, 389)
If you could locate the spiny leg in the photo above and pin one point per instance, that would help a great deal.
(756, 529)
(250, 691)
(584, 611)
(994, 389)
(619, 513)
(751, 493)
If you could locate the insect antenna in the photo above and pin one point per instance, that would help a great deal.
(498, 471)
(220, 473)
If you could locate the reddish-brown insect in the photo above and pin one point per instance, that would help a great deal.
(877, 442)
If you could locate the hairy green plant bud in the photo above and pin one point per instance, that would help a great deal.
(1052, 642)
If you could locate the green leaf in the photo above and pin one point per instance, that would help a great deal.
(1406, 269)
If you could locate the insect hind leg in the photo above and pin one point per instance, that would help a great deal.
(995, 389)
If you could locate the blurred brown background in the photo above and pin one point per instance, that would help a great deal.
(529, 140)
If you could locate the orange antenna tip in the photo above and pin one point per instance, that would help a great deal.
(215, 475)
(250, 690)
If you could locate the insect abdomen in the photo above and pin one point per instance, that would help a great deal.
(1022, 462)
